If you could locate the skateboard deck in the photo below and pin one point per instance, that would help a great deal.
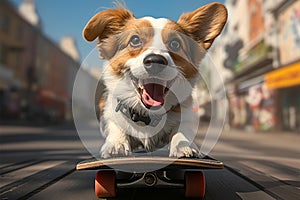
(145, 163)
(149, 171)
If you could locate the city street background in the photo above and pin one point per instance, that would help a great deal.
(257, 56)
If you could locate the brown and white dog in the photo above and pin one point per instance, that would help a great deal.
(152, 66)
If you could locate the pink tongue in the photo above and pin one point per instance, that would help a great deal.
(153, 94)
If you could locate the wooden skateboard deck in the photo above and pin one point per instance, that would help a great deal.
(154, 162)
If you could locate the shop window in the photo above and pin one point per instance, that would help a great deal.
(291, 108)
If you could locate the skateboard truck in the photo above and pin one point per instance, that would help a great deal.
(150, 179)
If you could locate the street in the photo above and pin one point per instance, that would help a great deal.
(268, 160)
(39, 163)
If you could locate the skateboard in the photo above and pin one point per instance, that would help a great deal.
(146, 170)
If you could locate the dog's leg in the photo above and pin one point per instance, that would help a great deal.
(116, 143)
(182, 147)
(182, 142)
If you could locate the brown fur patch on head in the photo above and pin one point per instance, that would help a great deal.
(186, 67)
(205, 23)
(189, 55)
(135, 27)
(114, 28)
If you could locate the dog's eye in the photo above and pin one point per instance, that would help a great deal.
(135, 41)
(175, 44)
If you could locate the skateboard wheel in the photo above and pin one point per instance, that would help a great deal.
(105, 184)
(194, 185)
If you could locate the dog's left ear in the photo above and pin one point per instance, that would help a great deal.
(106, 23)
(104, 26)
(205, 23)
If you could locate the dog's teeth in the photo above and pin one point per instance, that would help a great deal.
(140, 84)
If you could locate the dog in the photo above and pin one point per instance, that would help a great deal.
(150, 71)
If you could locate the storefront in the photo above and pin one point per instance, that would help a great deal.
(268, 102)
(286, 81)
(253, 105)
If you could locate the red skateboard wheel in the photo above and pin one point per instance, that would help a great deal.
(194, 184)
(105, 184)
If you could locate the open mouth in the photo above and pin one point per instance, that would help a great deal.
(152, 91)
(153, 94)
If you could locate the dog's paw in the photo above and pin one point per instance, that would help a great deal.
(115, 150)
(183, 150)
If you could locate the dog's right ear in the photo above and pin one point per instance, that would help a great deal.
(205, 23)
(106, 23)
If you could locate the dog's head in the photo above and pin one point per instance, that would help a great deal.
(153, 53)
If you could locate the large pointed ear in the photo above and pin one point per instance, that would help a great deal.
(205, 23)
(105, 23)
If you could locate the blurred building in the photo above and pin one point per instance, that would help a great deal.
(28, 11)
(285, 78)
(68, 45)
(260, 46)
(36, 74)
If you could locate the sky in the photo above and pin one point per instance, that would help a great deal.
(68, 17)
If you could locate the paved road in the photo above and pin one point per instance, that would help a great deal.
(268, 160)
(38, 163)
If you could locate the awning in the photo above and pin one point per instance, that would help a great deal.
(284, 77)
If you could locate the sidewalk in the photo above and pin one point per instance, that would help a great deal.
(270, 160)
(271, 144)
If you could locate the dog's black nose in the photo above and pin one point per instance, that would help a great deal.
(155, 63)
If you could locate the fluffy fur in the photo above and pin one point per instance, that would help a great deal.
(152, 66)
